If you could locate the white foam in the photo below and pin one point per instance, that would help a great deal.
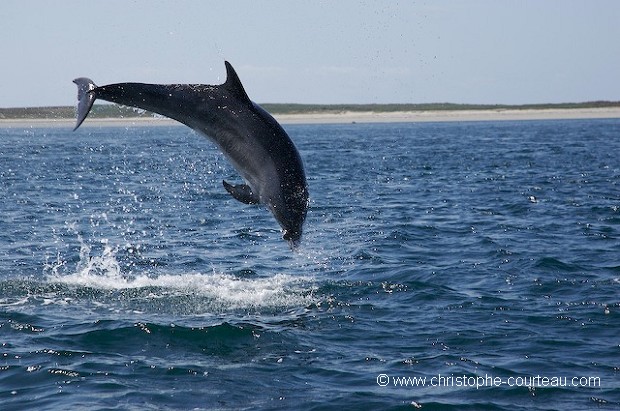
(226, 291)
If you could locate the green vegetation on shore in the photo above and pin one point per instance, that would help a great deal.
(116, 111)
(68, 112)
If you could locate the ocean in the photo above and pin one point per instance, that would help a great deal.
(444, 266)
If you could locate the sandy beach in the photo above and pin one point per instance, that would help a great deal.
(352, 117)
(449, 115)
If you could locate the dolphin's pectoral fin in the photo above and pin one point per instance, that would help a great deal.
(242, 193)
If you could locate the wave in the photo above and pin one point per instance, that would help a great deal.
(99, 282)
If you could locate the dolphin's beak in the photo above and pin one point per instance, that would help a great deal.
(294, 244)
(293, 238)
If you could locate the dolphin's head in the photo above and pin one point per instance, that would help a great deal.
(292, 222)
(293, 238)
(290, 212)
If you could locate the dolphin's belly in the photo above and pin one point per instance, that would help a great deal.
(252, 161)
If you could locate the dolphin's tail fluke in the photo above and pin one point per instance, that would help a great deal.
(86, 98)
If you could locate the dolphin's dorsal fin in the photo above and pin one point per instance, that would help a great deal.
(233, 84)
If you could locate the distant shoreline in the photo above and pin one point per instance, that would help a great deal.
(352, 117)
(450, 115)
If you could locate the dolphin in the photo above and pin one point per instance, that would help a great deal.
(250, 138)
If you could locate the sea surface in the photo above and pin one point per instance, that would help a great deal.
(444, 266)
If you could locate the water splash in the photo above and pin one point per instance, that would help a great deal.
(103, 273)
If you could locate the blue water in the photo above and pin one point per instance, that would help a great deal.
(129, 278)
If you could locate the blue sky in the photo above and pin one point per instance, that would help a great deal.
(290, 51)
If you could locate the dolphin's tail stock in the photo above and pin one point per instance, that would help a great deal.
(86, 98)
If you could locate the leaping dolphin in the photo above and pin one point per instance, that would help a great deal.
(252, 140)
